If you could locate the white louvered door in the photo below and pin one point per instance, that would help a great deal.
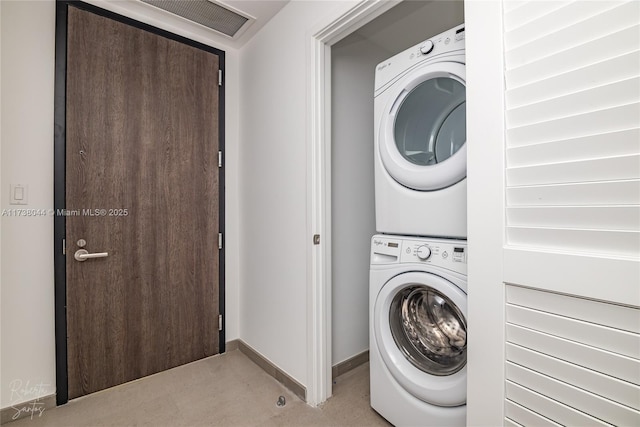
(572, 198)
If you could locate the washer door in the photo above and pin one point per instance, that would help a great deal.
(421, 332)
(423, 130)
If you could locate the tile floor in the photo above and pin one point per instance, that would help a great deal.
(225, 390)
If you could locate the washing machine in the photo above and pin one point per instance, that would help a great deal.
(418, 330)
(420, 139)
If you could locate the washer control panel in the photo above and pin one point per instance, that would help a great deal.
(445, 253)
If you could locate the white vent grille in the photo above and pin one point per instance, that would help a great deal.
(570, 361)
(573, 127)
(204, 12)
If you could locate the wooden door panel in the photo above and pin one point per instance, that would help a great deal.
(142, 136)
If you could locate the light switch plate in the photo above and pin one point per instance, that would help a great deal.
(19, 194)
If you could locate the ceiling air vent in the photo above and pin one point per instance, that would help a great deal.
(205, 12)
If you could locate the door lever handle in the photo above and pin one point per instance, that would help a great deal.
(83, 255)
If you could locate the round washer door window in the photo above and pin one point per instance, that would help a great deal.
(430, 330)
(419, 328)
(423, 129)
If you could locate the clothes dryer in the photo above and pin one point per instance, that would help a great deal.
(420, 139)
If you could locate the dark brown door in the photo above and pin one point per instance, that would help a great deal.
(142, 185)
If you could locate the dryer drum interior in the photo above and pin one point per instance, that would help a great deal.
(430, 125)
(430, 330)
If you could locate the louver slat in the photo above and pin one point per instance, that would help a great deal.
(576, 127)
(611, 46)
(571, 360)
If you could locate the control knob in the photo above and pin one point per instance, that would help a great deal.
(426, 47)
(423, 252)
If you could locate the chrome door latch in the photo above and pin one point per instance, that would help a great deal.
(83, 255)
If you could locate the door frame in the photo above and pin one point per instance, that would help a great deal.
(326, 34)
(59, 184)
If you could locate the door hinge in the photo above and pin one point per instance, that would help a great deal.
(219, 77)
(64, 246)
(219, 240)
(219, 159)
(219, 322)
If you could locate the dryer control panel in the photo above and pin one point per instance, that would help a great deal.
(448, 43)
(445, 253)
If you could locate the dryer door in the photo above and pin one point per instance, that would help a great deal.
(422, 133)
(420, 329)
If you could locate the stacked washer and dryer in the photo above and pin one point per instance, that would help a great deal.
(418, 274)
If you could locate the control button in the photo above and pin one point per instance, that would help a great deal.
(447, 40)
(426, 47)
(408, 250)
(445, 255)
(423, 252)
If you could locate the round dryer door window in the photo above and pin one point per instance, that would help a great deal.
(420, 330)
(423, 130)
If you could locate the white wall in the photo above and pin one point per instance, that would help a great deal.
(27, 289)
(273, 202)
(412, 22)
(27, 157)
(353, 63)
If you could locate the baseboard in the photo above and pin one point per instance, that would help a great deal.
(271, 369)
(349, 364)
(231, 345)
(31, 408)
